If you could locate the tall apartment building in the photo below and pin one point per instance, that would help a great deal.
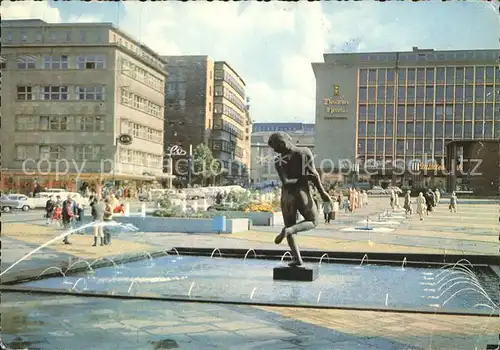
(188, 101)
(206, 103)
(385, 110)
(262, 168)
(70, 90)
(232, 128)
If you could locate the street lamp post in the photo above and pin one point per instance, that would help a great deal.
(122, 139)
(190, 164)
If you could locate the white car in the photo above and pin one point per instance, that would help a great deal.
(377, 190)
(16, 201)
(396, 189)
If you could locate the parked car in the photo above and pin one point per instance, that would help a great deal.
(396, 189)
(16, 201)
(195, 193)
(377, 190)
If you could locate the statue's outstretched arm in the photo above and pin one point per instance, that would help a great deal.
(313, 174)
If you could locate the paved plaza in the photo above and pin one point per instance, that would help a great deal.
(69, 322)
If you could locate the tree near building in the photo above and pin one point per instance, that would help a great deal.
(205, 166)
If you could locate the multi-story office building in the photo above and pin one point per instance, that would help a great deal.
(389, 109)
(262, 168)
(188, 101)
(206, 103)
(70, 90)
(232, 124)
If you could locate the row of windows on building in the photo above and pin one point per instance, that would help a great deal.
(221, 91)
(430, 56)
(228, 127)
(129, 156)
(403, 147)
(469, 93)
(60, 93)
(231, 80)
(61, 62)
(67, 36)
(468, 111)
(135, 72)
(60, 123)
(228, 147)
(142, 132)
(140, 103)
(454, 130)
(55, 152)
(230, 112)
(429, 75)
(52, 37)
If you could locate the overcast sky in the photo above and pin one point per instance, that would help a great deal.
(272, 45)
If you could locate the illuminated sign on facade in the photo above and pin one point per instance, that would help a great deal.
(336, 104)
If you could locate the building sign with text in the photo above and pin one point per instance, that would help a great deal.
(336, 105)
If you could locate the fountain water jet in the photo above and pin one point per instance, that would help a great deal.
(130, 287)
(477, 289)
(77, 281)
(248, 252)
(175, 250)
(285, 254)
(322, 257)
(150, 257)
(53, 268)
(451, 272)
(459, 291)
(319, 297)
(216, 250)
(77, 262)
(386, 299)
(403, 264)
(253, 292)
(190, 289)
(365, 257)
(58, 238)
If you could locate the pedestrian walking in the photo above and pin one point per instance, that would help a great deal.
(107, 217)
(453, 203)
(407, 203)
(421, 205)
(327, 211)
(68, 215)
(50, 206)
(97, 208)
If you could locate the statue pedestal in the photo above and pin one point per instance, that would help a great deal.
(301, 274)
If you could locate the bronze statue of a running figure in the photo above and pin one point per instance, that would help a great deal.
(295, 167)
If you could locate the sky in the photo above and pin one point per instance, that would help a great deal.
(271, 45)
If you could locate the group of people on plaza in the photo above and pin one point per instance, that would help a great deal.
(69, 214)
(355, 199)
(426, 202)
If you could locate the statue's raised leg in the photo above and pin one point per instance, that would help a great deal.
(297, 258)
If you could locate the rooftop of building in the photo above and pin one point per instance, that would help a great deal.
(185, 58)
(272, 127)
(28, 23)
(232, 69)
(415, 55)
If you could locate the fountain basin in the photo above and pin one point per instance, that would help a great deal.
(370, 285)
(184, 225)
(371, 229)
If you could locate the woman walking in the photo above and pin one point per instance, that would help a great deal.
(421, 204)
